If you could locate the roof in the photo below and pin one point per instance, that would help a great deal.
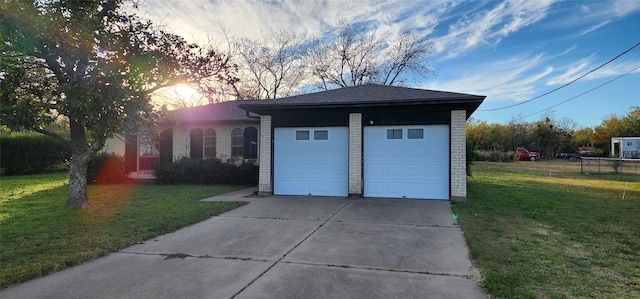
(366, 95)
(223, 112)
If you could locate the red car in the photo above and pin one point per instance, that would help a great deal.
(522, 153)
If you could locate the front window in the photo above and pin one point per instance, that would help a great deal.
(148, 147)
(236, 142)
(209, 143)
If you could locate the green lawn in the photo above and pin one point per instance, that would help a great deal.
(543, 230)
(38, 236)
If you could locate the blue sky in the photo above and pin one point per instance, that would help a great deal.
(509, 51)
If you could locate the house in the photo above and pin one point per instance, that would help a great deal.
(625, 147)
(220, 130)
(368, 140)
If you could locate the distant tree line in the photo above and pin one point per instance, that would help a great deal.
(552, 137)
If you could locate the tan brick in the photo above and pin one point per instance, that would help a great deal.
(264, 177)
(355, 154)
(458, 155)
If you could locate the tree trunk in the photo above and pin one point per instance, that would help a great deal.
(77, 198)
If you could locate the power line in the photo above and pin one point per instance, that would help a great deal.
(588, 91)
(566, 84)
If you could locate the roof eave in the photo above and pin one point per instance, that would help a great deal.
(271, 106)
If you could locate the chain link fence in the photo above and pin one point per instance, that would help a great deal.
(624, 169)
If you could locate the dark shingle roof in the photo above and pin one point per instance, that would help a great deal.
(224, 112)
(367, 95)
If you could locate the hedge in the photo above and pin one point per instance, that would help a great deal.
(31, 153)
(208, 171)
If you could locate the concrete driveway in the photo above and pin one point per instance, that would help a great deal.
(285, 247)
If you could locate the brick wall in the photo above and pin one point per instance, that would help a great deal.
(355, 154)
(264, 155)
(458, 155)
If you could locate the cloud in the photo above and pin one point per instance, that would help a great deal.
(625, 7)
(582, 66)
(490, 26)
(513, 78)
(199, 19)
(572, 71)
(591, 15)
(595, 27)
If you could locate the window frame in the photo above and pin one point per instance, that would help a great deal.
(237, 142)
(207, 136)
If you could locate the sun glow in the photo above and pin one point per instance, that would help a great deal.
(179, 96)
(184, 91)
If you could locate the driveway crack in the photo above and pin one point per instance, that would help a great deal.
(292, 249)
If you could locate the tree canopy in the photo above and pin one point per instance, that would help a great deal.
(94, 63)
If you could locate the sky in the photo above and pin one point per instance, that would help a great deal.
(512, 52)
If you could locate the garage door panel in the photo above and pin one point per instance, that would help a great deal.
(320, 161)
(415, 170)
(411, 168)
(302, 169)
(396, 169)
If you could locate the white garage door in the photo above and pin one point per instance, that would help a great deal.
(311, 161)
(406, 162)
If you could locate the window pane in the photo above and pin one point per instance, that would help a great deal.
(210, 132)
(321, 135)
(302, 135)
(415, 134)
(236, 142)
(210, 152)
(148, 147)
(236, 151)
(394, 134)
(209, 141)
(149, 150)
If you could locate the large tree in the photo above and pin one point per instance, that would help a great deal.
(354, 54)
(272, 66)
(94, 63)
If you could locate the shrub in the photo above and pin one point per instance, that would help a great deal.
(208, 171)
(31, 153)
(106, 169)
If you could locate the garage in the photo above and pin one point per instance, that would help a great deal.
(311, 161)
(406, 161)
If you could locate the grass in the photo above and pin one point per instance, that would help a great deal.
(38, 236)
(543, 230)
